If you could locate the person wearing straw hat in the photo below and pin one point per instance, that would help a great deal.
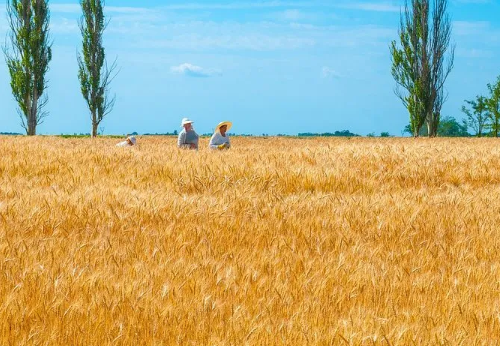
(220, 138)
(129, 142)
(188, 138)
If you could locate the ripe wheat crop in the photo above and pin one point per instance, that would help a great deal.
(278, 241)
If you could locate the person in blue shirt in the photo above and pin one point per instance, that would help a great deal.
(188, 138)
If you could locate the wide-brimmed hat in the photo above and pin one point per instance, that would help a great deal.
(132, 139)
(186, 121)
(227, 123)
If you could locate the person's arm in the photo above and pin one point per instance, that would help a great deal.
(228, 145)
(181, 141)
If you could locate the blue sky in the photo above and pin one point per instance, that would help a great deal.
(268, 66)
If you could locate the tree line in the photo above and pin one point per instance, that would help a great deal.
(29, 52)
(422, 59)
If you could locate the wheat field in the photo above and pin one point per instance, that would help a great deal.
(279, 241)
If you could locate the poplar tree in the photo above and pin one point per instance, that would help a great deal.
(93, 72)
(28, 57)
(420, 63)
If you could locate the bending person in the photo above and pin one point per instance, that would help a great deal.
(220, 138)
(130, 141)
(188, 138)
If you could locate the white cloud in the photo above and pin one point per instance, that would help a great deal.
(246, 41)
(473, 1)
(371, 6)
(479, 35)
(76, 9)
(64, 26)
(292, 28)
(327, 72)
(292, 14)
(295, 16)
(190, 70)
(65, 8)
(466, 28)
(236, 5)
(475, 53)
(363, 6)
(257, 36)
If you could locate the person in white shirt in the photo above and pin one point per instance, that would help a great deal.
(188, 138)
(220, 138)
(130, 141)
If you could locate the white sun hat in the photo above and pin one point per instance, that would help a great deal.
(227, 123)
(132, 139)
(186, 121)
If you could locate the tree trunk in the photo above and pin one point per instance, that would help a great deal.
(31, 128)
(32, 121)
(32, 117)
(433, 124)
(94, 126)
(431, 129)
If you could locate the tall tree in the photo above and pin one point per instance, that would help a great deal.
(419, 64)
(440, 63)
(493, 104)
(477, 114)
(406, 68)
(93, 73)
(28, 58)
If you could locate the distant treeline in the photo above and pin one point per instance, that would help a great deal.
(448, 127)
(344, 133)
(10, 134)
(175, 133)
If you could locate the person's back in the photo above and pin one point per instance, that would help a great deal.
(129, 142)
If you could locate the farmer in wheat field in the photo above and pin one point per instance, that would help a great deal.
(129, 142)
(188, 138)
(220, 138)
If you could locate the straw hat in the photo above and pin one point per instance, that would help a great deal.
(227, 123)
(186, 121)
(132, 140)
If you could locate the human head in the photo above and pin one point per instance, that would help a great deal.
(131, 140)
(187, 124)
(223, 127)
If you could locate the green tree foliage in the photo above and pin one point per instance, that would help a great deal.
(406, 68)
(419, 64)
(448, 127)
(343, 133)
(493, 105)
(93, 72)
(477, 115)
(28, 58)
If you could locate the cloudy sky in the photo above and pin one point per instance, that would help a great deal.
(268, 66)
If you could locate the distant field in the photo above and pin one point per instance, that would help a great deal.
(283, 241)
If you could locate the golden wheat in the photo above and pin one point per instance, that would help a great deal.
(279, 241)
